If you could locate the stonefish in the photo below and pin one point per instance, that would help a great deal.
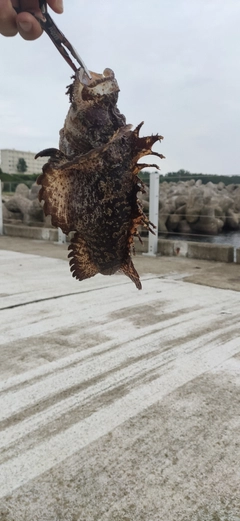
(89, 186)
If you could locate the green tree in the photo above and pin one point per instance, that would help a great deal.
(21, 165)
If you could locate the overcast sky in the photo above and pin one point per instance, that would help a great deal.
(177, 63)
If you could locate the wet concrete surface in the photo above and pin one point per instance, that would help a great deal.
(118, 404)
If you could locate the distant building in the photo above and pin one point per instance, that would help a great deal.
(9, 160)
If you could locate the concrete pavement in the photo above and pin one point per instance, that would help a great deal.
(216, 274)
(118, 404)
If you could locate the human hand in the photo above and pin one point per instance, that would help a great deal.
(28, 27)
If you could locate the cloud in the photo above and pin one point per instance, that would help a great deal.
(176, 63)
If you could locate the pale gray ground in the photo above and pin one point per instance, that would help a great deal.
(115, 404)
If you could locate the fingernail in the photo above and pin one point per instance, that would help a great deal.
(25, 26)
(59, 5)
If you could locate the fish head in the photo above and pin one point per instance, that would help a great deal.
(99, 89)
(93, 116)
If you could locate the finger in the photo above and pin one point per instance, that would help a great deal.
(56, 5)
(28, 26)
(8, 25)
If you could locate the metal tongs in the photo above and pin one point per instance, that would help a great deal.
(57, 37)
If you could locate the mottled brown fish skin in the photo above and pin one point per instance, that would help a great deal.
(90, 185)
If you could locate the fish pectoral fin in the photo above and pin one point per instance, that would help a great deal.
(83, 161)
(81, 262)
(128, 269)
(56, 189)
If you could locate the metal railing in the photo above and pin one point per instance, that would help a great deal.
(155, 181)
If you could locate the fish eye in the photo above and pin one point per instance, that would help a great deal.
(108, 73)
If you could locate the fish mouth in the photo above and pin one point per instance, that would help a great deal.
(95, 77)
(99, 84)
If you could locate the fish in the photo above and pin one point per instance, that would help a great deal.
(90, 184)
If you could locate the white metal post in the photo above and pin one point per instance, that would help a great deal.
(153, 213)
(61, 237)
(1, 210)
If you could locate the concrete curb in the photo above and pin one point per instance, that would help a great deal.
(193, 250)
(169, 248)
(31, 232)
(213, 252)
